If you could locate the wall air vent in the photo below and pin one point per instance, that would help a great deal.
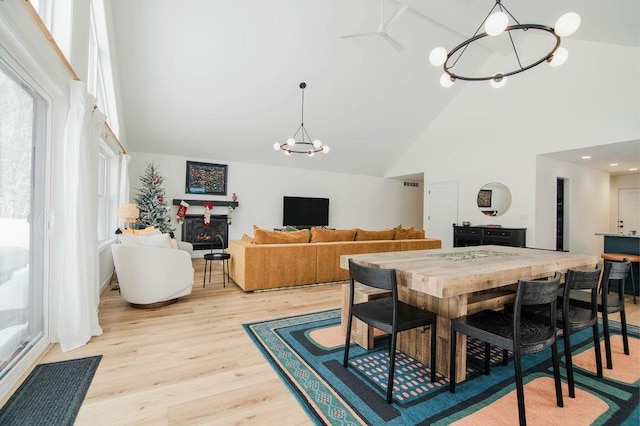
(414, 184)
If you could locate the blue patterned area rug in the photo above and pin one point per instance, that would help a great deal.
(307, 352)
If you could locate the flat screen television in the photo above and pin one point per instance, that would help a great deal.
(305, 212)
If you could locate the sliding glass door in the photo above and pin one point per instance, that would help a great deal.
(22, 171)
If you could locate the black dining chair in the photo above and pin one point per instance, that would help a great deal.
(212, 256)
(572, 317)
(609, 302)
(513, 332)
(387, 314)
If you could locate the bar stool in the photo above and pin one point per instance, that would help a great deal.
(210, 257)
(620, 257)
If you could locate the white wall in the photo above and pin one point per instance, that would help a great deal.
(617, 183)
(488, 135)
(354, 201)
(588, 205)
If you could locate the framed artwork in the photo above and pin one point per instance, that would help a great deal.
(484, 198)
(206, 178)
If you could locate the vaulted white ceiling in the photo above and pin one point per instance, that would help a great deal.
(219, 79)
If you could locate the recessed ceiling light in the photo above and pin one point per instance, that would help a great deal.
(613, 164)
(633, 169)
(586, 157)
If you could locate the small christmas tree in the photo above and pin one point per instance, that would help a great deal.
(151, 202)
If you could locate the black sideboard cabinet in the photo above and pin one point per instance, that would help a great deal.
(464, 236)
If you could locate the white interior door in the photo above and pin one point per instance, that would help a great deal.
(442, 211)
(628, 210)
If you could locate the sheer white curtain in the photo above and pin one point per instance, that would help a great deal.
(79, 296)
(123, 192)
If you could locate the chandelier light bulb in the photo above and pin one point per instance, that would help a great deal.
(559, 57)
(438, 56)
(496, 23)
(567, 24)
(325, 149)
(317, 144)
(498, 81)
(287, 153)
(291, 141)
(276, 146)
(446, 81)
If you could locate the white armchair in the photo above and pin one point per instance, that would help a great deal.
(150, 277)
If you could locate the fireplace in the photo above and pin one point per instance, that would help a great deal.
(202, 236)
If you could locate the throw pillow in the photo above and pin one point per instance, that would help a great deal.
(158, 241)
(149, 230)
(247, 238)
(264, 236)
(321, 235)
(384, 234)
(408, 234)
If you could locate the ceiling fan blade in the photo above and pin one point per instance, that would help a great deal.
(393, 42)
(396, 15)
(360, 34)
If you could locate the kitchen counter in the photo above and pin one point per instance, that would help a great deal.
(618, 235)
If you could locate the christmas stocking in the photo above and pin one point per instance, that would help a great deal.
(182, 211)
(207, 213)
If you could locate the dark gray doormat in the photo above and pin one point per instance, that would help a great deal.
(52, 394)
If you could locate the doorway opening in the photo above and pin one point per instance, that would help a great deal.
(562, 214)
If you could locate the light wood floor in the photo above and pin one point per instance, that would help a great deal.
(192, 363)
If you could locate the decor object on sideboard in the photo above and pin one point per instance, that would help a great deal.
(128, 213)
(304, 146)
(206, 178)
(154, 210)
(497, 24)
(182, 211)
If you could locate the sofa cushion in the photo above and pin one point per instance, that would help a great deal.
(408, 234)
(321, 235)
(159, 241)
(264, 236)
(384, 234)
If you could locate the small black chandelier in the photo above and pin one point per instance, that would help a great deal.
(305, 145)
(497, 23)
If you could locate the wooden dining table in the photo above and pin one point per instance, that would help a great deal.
(458, 281)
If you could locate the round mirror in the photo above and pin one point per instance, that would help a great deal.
(494, 199)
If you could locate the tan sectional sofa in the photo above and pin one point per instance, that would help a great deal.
(265, 266)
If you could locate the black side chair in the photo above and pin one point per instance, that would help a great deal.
(614, 273)
(212, 256)
(516, 333)
(573, 317)
(387, 314)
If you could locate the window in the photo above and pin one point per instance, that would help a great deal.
(107, 192)
(22, 206)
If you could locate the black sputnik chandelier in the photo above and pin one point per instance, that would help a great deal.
(304, 145)
(498, 23)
